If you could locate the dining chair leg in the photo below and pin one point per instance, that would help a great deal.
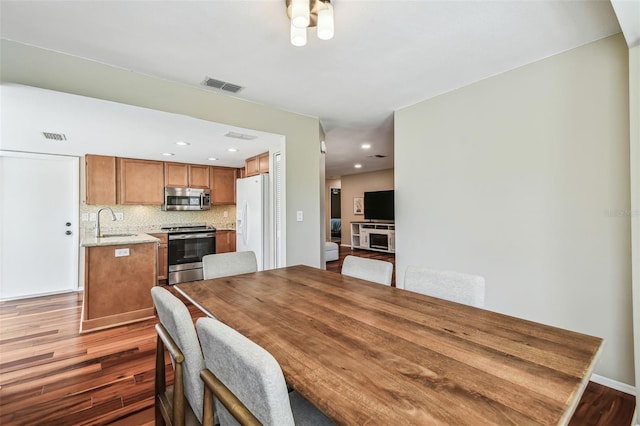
(160, 382)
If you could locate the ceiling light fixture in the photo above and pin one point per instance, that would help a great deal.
(232, 149)
(182, 143)
(168, 154)
(309, 13)
(212, 159)
(365, 146)
(357, 166)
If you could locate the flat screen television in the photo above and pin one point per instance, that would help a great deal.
(379, 205)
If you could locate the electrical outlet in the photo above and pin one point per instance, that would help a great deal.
(92, 217)
(119, 216)
(85, 217)
(299, 216)
(225, 214)
(122, 252)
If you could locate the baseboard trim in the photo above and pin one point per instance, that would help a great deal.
(613, 384)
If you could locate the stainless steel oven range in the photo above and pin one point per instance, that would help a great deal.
(188, 243)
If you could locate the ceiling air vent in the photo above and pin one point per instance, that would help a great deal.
(222, 85)
(378, 156)
(55, 136)
(242, 136)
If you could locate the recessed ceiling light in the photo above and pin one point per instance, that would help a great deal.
(232, 149)
(357, 166)
(365, 146)
(182, 143)
(212, 159)
(168, 154)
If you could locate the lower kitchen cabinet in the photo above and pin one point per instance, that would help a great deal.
(225, 241)
(118, 282)
(163, 256)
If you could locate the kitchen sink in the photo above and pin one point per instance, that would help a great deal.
(117, 235)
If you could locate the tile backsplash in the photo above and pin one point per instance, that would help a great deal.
(150, 218)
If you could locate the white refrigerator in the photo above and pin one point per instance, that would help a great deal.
(252, 217)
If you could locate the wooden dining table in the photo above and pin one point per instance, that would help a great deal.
(365, 353)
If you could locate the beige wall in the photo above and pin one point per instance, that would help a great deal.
(524, 178)
(356, 186)
(32, 66)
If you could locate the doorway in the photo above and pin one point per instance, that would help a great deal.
(336, 216)
(38, 224)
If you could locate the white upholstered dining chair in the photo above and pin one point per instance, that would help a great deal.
(177, 333)
(454, 286)
(254, 376)
(378, 271)
(226, 264)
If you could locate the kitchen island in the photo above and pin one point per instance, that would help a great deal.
(120, 270)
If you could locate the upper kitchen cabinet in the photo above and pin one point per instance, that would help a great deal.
(257, 165)
(223, 185)
(180, 175)
(140, 181)
(101, 179)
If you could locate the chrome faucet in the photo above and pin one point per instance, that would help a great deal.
(113, 217)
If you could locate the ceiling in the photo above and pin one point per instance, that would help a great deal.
(385, 55)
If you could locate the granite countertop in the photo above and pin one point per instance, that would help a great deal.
(117, 239)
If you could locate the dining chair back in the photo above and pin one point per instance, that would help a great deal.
(177, 333)
(254, 376)
(226, 264)
(378, 271)
(454, 286)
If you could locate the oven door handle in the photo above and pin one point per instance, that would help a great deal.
(191, 236)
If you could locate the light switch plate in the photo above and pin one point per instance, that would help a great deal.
(122, 252)
(85, 217)
(119, 216)
(92, 217)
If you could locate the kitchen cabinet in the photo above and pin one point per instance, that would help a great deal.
(163, 256)
(140, 181)
(225, 241)
(181, 175)
(100, 171)
(118, 282)
(257, 165)
(223, 185)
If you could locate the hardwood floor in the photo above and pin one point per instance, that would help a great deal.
(50, 374)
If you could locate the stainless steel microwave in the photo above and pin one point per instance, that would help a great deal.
(186, 199)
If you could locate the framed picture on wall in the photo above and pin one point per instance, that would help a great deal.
(358, 205)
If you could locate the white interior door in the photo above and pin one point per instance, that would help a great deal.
(38, 224)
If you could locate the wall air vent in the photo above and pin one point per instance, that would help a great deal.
(222, 85)
(55, 136)
(242, 136)
(377, 156)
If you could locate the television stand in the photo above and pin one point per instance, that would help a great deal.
(374, 236)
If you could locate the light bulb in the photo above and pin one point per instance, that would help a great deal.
(300, 13)
(325, 22)
(298, 36)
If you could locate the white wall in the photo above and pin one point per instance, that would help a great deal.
(524, 178)
(634, 118)
(37, 67)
